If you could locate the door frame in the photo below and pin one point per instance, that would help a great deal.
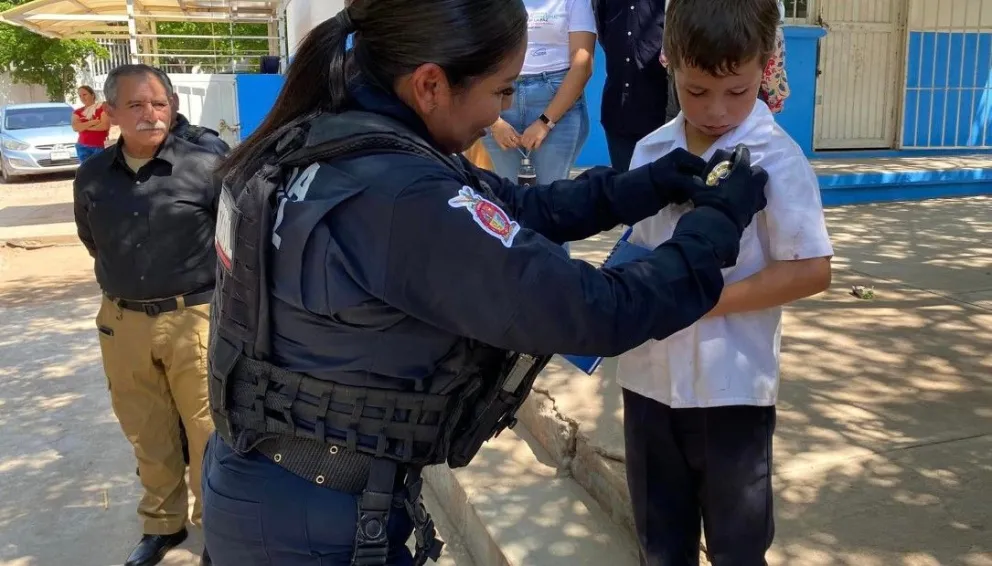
(900, 58)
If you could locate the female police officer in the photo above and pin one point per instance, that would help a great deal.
(365, 307)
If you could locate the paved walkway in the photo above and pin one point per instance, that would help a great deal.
(884, 443)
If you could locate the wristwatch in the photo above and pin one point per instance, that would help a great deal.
(547, 121)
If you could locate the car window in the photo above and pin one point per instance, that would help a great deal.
(29, 118)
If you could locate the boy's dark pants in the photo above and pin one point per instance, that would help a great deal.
(713, 464)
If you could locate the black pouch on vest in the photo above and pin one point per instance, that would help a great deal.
(495, 408)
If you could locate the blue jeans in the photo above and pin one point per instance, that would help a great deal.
(556, 156)
(257, 513)
(84, 152)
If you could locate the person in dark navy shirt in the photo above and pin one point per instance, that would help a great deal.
(636, 94)
(385, 273)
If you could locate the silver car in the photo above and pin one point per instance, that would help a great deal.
(36, 139)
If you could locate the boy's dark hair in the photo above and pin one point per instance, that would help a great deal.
(716, 36)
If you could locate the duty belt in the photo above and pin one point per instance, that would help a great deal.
(320, 431)
(380, 484)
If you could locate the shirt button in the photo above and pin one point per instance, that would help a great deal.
(138, 246)
(628, 59)
(626, 84)
(631, 7)
(628, 33)
(135, 213)
(142, 277)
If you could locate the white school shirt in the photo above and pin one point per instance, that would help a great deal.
(548, 24)
(734, 359)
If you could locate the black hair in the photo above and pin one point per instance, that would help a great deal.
(392, 38)
(716, 36)
(88, 89)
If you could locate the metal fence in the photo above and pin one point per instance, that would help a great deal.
(948, 91)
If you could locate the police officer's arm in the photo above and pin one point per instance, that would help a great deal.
(600, 198)
(80, 209)
(453, 261)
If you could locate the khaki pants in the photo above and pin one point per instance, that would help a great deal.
(157, 373)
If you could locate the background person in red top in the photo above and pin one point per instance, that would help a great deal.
(92, 123)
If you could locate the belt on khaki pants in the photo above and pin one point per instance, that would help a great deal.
(157, 307)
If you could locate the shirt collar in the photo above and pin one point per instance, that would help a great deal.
(672, 134)
(166, 152)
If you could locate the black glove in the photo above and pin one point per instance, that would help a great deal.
(733, 186)
(676, 176)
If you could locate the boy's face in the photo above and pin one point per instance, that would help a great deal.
(715, 105)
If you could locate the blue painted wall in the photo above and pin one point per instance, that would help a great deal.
(256, 95)
(967, 120)
(801, 50)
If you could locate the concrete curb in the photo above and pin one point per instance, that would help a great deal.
(512, 508)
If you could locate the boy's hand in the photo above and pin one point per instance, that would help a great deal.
(733, 186)
(676, 176)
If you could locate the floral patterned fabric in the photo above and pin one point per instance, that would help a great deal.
(775, 84)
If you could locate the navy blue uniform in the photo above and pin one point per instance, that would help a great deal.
(428, 262)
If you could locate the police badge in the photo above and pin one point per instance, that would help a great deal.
(720, 172)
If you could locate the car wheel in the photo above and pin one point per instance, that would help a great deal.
(7, 177)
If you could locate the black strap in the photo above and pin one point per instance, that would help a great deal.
(371, 542)
(428, 546)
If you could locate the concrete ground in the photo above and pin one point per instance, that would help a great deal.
(884, 442)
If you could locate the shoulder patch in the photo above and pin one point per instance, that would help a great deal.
(487, 215)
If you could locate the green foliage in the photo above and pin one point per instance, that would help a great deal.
(34, 59)
(219, 44)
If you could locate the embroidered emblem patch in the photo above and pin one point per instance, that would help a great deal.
(490, 217)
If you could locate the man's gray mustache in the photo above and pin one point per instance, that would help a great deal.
(160, 125)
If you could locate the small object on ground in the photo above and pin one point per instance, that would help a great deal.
(862, 292)
(29, 244)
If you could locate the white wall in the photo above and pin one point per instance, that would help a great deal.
(17, 93)
(952, 15)
(304, 15)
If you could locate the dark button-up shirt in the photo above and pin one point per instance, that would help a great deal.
(636, 91)
(151, 232)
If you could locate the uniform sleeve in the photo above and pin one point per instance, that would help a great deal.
(213, 144)
(572, 210)
(80, 209)
(794, 217)
(581, 17)
(459, 262)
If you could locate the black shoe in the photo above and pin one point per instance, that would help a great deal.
(152, 548)
(205, 558)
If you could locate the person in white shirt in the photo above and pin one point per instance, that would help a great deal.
(548, 120)
(699, 406)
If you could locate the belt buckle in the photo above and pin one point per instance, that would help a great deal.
(151, 309)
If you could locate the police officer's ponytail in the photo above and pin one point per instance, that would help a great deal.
(392, 38)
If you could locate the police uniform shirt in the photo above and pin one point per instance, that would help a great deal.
(462, 263)
(731, 360)
(151, 231)
(204, 137)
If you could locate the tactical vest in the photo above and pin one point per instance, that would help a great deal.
(314, 427)
(192, 133)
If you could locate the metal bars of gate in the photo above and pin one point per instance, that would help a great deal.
(948, 75)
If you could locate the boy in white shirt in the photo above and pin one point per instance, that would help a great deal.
(700, 405)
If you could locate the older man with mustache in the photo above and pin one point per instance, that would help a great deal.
(145, 209)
